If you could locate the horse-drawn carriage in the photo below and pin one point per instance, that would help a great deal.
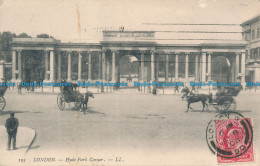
(69, 94)
(225, 98)
(222, 100)
(2, 99)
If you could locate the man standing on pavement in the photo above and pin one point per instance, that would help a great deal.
(11, 125)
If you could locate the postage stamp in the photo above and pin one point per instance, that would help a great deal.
(230, 137)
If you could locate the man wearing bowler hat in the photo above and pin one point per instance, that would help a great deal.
(11, 125)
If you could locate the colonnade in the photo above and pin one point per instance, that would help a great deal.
(202, 65)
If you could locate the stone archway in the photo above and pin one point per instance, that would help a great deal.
(222, 68)
(33, 68)
(129, 67)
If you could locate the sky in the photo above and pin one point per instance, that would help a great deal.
(78, 20)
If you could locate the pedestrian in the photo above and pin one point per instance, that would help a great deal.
(193, 88)
(11, 125)
(154, 90)
(19, 87)
(176, 88)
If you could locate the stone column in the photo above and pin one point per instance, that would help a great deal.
(167, 67)
(187, 67)
(46, 65)
(142, 67)
(209, 66)
(196, 66)
(243, 66)
(13, 65)
(69, 66)
(103, 66)
(113, 66)
(20, 72)
(52, 63)
(177, 67)
(203, 67)
(108, 69)
(79, 65)
(100, 66)
(237, 65)
(118, 67)
(2, 69)
(89, 66)
(152, 66)
(59, 66)
(157, 69)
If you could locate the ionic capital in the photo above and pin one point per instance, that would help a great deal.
(46, 51)
(238, 53)
(89, 52)
(152, 52)
(115, 51)
(19, 51)
(142, 52)
(167, 52)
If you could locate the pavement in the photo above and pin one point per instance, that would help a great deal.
(25, 138)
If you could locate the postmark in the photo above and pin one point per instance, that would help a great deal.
(230, 136)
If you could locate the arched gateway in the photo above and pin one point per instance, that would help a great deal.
(100, 61)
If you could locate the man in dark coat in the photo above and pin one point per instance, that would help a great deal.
(11, 125)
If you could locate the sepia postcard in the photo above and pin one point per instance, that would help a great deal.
(129, 82)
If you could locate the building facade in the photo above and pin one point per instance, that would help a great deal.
(141, 44)
(251, 34)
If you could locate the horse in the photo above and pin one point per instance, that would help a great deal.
(84, 101)
(193, 98)
(129, 79)
(186, 92)
(197, 98)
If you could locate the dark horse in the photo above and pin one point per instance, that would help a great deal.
(193, 98)
(129, 79)
(84, 101)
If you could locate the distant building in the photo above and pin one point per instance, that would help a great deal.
(251, 33)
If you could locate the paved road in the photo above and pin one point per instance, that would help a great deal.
(139, 128)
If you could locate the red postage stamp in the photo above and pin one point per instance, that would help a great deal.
(230, 136)
(234, 140)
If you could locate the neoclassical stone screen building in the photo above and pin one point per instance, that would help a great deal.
(104, 56)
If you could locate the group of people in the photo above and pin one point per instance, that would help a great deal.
(176, 89)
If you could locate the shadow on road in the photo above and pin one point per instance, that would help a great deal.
(89, 110)
(211, 111)
(8, 112)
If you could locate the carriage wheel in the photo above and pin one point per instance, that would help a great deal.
(232, 106)
(2, 103)
(61, 101)
(228, 105)
(223, 106)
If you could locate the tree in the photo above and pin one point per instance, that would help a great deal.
(5, 45)
(44, 36)
(23, 35)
